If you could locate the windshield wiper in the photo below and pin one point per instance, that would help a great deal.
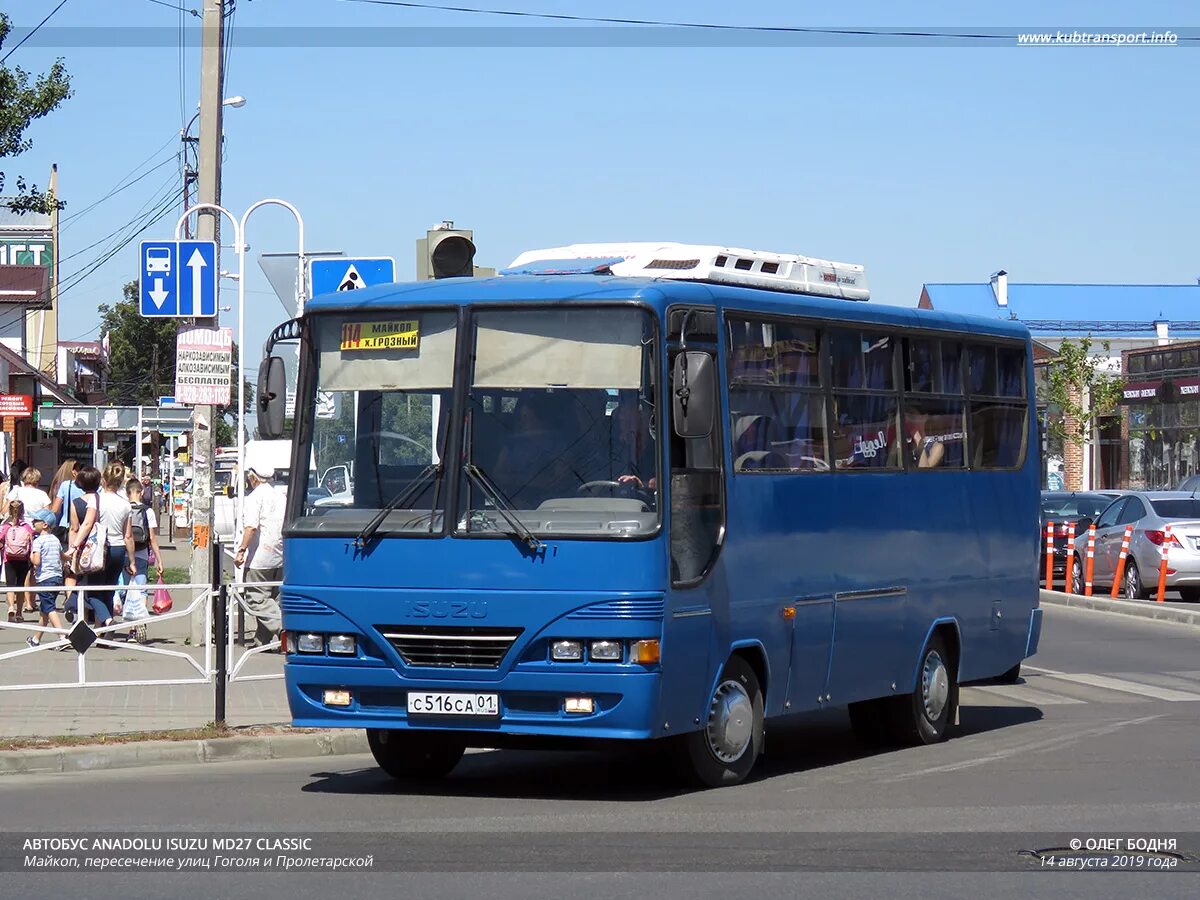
(481, 479)
(433, 470)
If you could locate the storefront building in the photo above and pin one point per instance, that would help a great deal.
(1149, 333)
(1160, 416)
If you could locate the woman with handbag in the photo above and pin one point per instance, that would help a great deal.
(85, 549)
(62, 492)
(114, 520)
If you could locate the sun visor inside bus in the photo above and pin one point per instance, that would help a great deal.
(596, 348)
(364, 352)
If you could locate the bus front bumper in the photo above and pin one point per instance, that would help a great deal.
(625, 704)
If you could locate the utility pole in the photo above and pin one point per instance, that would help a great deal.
(212, 87)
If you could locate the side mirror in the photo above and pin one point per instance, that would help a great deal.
(271, 399)
(693, 394)
(230, 492)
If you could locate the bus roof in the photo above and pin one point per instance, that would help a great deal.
(656, 293)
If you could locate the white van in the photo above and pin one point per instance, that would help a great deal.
(275, 455)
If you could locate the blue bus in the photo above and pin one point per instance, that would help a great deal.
(651, 493)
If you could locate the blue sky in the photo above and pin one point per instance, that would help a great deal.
(922, 163)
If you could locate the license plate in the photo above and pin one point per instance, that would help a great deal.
(436, 704)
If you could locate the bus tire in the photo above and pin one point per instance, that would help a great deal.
(869, 719)
(407, 755)
(925, 715)
(723, 752)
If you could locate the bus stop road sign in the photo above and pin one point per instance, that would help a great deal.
(178, 279)
(343, 274)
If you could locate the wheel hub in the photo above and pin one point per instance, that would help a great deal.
(730, 722)
(935, 685)
(1131, 584)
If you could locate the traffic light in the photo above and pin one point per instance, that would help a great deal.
(445, 252)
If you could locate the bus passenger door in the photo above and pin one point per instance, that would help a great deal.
(697, 608)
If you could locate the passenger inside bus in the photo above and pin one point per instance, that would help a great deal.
(631, 443)
(539, 457)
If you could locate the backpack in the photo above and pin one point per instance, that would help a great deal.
(18, 543)
(140, 525)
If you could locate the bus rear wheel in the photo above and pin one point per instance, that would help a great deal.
(925, 715)
(723, 752)
(407, 755)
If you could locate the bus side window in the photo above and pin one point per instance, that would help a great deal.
(697, 509)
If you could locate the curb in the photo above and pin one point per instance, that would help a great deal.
(1143, 609)
(168, 753)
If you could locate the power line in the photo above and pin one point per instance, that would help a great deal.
(116, 190)
(712, 26)
(182, 9)
(122, 242)
(157, 197)
(33, 32)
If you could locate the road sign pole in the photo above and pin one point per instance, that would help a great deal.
(202, 448)
(240, 519)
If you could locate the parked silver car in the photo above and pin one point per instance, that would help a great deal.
(1149, 512)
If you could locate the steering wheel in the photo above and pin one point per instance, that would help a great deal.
(590, 487)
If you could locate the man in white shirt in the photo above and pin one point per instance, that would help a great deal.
(260, 554)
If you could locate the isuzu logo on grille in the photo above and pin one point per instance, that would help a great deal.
(446, 609)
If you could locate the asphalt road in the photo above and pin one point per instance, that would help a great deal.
(1100, 739)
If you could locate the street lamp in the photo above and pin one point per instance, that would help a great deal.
(189, 174)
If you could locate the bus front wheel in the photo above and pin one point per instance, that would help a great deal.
(406, 755)
(925, 715)
(724, 751)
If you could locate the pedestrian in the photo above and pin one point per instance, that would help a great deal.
(82, 512)
(12, 481)
(47, 559)
(260, 554)
(114, 518)
(62, 492)
(16, 540)
(31, 496)
(144, 527)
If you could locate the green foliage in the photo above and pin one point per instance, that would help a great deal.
(141, 352)
(141, 359)
(1079, 385)
(24, 99)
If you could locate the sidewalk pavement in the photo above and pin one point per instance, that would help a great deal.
(75, 710)
(1183, 614)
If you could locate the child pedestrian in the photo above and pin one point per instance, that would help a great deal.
(16, 541)
(47, 557)
(144, 527)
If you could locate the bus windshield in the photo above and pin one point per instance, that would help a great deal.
(380, 410)
(561, 423)
(558, 431)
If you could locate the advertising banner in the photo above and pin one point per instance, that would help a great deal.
(204, 365)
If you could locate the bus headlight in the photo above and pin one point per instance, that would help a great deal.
(566, 651)
(310, 643)
(342, 644)
(606, 651)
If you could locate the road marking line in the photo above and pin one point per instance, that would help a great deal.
(1037, 746)
(1118, 684)
(1027, 696)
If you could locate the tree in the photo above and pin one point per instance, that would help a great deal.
(24, 99)
(1079, 383)
(141, 351)
(141, 360)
